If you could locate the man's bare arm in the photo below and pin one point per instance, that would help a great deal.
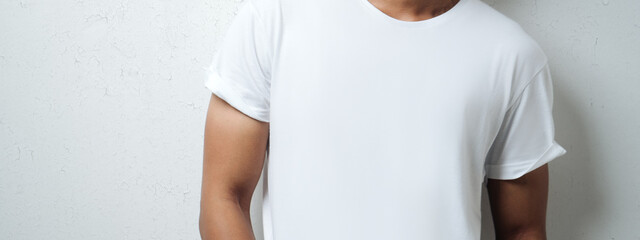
(234, 151)
(519, 206)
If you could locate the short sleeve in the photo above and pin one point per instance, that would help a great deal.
(240, 70)
(525, 140)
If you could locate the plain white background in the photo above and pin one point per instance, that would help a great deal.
(102, 108)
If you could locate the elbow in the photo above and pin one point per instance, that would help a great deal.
(223, 215)
(202, 223)
(523, 233)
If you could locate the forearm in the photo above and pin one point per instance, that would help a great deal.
(225, 218)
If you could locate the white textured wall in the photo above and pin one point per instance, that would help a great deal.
(102, 110)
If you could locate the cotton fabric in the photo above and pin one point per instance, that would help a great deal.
(382, 128)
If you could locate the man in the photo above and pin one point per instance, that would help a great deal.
(377, 119)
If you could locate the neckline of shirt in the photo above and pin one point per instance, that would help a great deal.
(443, 17)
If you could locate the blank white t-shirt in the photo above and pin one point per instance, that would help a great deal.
(382, 128)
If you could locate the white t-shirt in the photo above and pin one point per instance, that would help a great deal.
(382, 128)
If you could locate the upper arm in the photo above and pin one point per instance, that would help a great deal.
(237, 125)
(516, 165)
(518, 206)
(234, 151)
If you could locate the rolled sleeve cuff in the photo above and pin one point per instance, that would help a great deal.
(223, 90)
(514, 171)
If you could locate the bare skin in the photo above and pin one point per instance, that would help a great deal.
(234, 151)
(519, 206)
(235, 146)
(413, 10)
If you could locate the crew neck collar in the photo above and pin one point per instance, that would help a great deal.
(444, 17)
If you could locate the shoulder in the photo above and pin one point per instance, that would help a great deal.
(517, 53)
(509, 39)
